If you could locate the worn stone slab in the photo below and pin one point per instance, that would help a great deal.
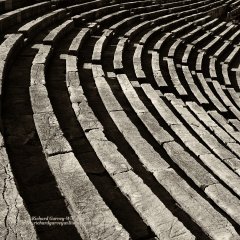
(92, 217)
(109, 156)
(162, 40)
(234, 164)
(38, 74)
(172, 71)
(154, 128)
(147, 155)
(210, 94)
(222, 171)
(221, 121)
(212, 67)
(235, 123)
(131, 94)
(226, 200)
(59, 31)
(43, 54)
(222, 134)
(78, 41)
(72, 79)
(39, 99)
(211, 221)
(98, 49)
(156, 215)
(118, 55)
(225, 74)
(234, 95)
(199, 61)
(187, 53)
(183, 133)
(50, 134)
(76, 94)
(234, 147)
(201, 114)
(187, 115)
(157, 74)
(174, 101)
(160, 106)
(106, 94)
(97, 71)
(71, 63)
(137, 62)
(223, 153)
(196, 147)
(189, 165)
(15, 220)
(173, 48)
(221, 93)
(86, 116)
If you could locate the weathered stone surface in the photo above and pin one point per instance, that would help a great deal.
(212, 222)
(222, 171)
(160, 106)
(235, 147)
(38, 74)
(50, 134)
(112, 160)
(93, 219)
(43, 54)
(39, 99)
(156, 215)
(78, 41)
(225, 200)
(76, 94)
(72, 79)
(86, 116)
(197, 148)
(147, 155)
(71, 63)
(223, 135)
(183, 133)
(110, 102)
(189, 165)
(15, 221)
(57, 32)
(223, 153)
(131, 94)
(234, 164)
(154, 128)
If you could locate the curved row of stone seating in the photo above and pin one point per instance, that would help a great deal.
(51, 147)
(13, 210)
(112, 100)
(101, 44)
(114, 109)
(214, 83)
(17, 16)
(208, 174)
(119, 170)
(62, 161)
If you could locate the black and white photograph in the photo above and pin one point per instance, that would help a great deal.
(120, 120)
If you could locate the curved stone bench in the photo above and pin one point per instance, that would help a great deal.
(12, 208)
(58, 32)
(90, 222)
(31, 28)
(210, 94)
(11, 18)
(193, 87)
(127, 181)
